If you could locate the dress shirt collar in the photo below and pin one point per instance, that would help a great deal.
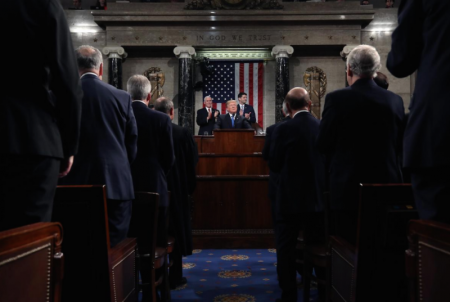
(140, 101)
(88, 73)
(231, 114)
(299, 112)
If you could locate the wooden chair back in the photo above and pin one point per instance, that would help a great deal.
(383, 215)
(94, 271)
(428, 261)
(143, 226)
(31, 263)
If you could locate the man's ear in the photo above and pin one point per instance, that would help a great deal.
(100, 70)
(149, 96)
(309, 105)
(288, 108)
(349, 72)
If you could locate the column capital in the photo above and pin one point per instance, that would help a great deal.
(282, 51)
(114, 52)
(347, 49)
(184, 52)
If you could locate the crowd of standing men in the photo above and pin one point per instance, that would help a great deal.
(363, 137)
(84, 131)
(118, 141)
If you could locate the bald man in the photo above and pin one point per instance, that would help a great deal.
(293, 156)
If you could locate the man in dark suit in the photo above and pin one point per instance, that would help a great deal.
(155, 156)
(273, 176)
(246, 110)
(231, 120)
(181, 183)
(360, 133)
(206, 117)
(293, 156)
(108, 142)
(39, 129)
(419, 43)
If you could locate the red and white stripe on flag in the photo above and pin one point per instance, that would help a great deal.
(249, 78)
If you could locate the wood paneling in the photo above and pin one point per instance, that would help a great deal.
(231, 204)
(230, 141)
(232, 164)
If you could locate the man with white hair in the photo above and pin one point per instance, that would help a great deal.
(206, 117)
(108, 137)
(154, 159)
(361, 134)
(155, 156)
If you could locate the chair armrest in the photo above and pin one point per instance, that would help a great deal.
(122, 250)
(345, 249)
(123, 271)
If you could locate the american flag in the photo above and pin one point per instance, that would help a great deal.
(230, 78)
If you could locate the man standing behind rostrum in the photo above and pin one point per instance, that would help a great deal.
(206, 117)
(246, 110)
(107, 142)
(231, 120)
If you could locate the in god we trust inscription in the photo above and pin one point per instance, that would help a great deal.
(233, 4)
(243, 38)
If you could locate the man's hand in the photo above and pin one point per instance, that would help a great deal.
(216, 114)
(247, 115)
(66, 165)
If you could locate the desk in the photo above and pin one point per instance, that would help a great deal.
(231, 204)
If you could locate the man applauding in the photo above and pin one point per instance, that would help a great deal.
(245, 110)
(206, 117)
(231, 120)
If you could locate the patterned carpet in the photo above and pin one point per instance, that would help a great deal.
(231, 276)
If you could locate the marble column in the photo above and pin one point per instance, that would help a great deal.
(344, 53)
(282, 54)
(116, 56)
(185, 87)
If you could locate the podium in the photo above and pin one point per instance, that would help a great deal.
(231, 204)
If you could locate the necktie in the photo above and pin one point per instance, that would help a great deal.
(232, 120)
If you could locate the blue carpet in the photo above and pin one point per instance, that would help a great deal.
(231, 276)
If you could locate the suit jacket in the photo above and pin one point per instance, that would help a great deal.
(294, 157)
(107, 142)
(273, 176)
(224, 122)
(33, 122)
(421, 43)
(155, 155)
(248, 109)
(360, 133)
(182, 184)
(205, 125)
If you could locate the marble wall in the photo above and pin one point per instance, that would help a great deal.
(377, 33)
(168, 65)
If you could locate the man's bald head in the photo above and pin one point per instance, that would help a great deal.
(89, 59)
(297, 99)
